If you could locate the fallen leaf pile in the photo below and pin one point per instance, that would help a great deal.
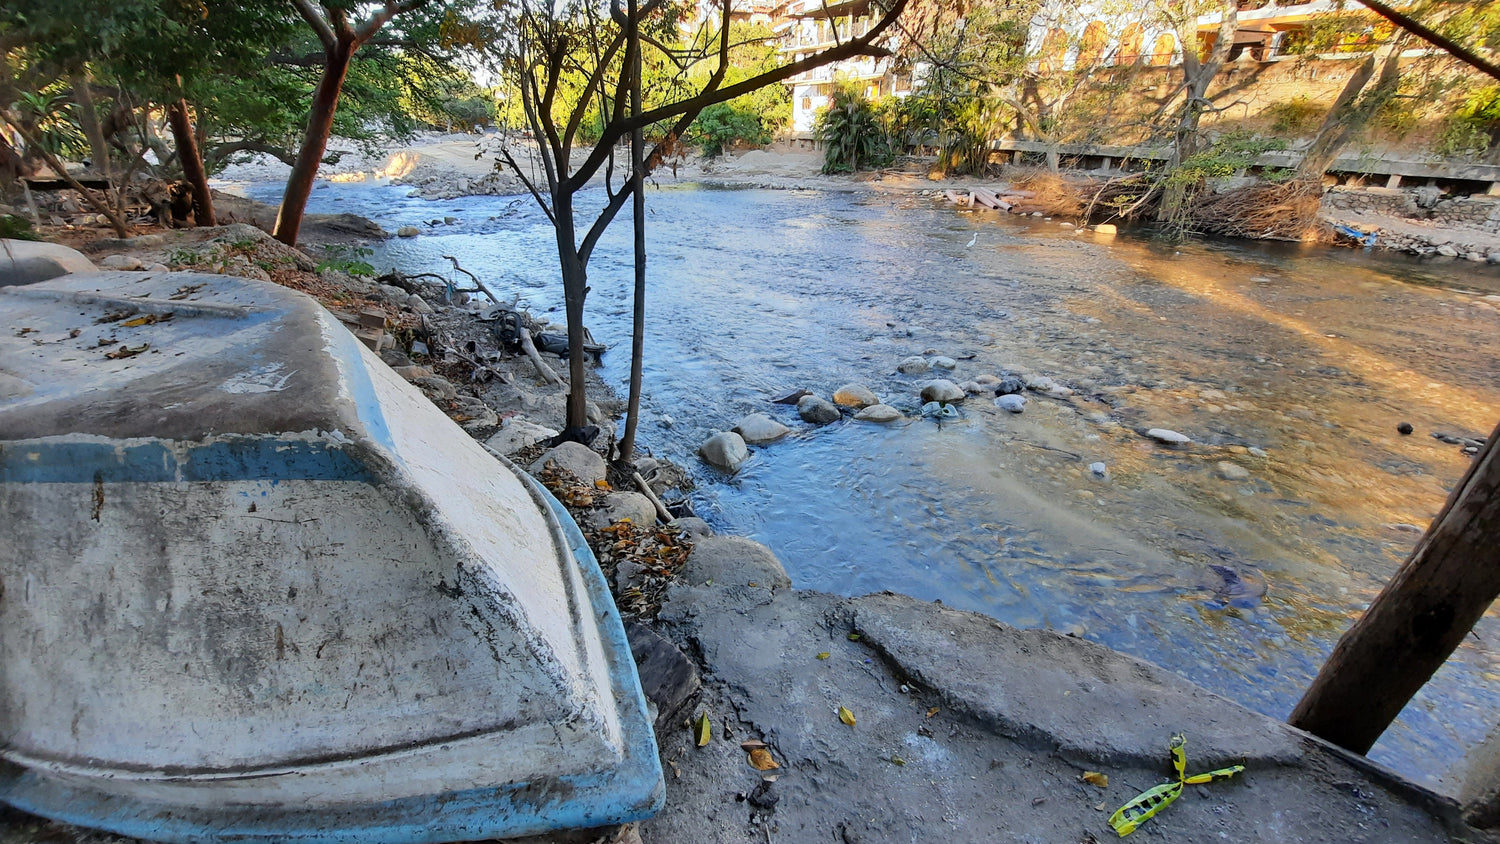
(651, 554)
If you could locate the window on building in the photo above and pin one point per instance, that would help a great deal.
(1092, 45)
(1164, 50)
(1130, 44)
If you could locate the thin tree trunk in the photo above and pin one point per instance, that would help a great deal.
(325, 102)
(1197, 75)
(1417, 620)
(1351, 111)
(192, 163)
(575, 290)
(88, 121)
(638, 218)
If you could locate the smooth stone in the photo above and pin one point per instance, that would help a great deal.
(1232, 472)
(577, 458)
(516, 433)
(693, 526)
(759, 428)
(913, 365)
(857, 396)
(725, 450)
(878, 413)
(418, 304)
(623, 505)
(1106, 228)
(408, 231)
(1013, 403)
(944, 362)
(1099, 469)
(987, 380)
(436, 387)
(818, 411)
(1009, 384)
(942, 390)
(1257, 452)
(1168, 436)
(1447, 251)
(972, 387)
(120, 262)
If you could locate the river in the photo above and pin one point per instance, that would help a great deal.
(1289, 367)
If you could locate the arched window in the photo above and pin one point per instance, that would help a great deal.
(1164, 50)
(1053, 48)
(1130, 44)
(1092, 45)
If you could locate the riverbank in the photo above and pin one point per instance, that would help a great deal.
(1419, 220)
(1001, 757)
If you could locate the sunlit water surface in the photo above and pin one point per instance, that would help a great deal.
(1311, 355)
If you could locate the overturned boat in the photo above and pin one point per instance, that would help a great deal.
(253, 585)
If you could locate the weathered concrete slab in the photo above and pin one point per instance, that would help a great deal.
(1092, 703)
(926, 760)
(29, 261)
(257, 586)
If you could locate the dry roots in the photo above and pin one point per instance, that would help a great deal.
(1287, 211)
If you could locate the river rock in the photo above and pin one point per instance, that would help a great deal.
(818, 411)
(913, 365)
(436, 387)
(577, 458)
(944, 362)
(1232, 472)
(693, 526)
(1447, 251)
(1009, 384)
(418, 304)
(1168, 436)
(987, 380)
(1106, 228)
(120, 262)
(623, 505)
(971, 387)
(1015, 403)
(857, 396)
(725, 450)
(878, 413)
(517, 433)
(942, 390)
(759, 428)
(408, 231)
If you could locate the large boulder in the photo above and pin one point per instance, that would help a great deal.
(857, 396)
(727, 560)
(577, 458)
(30, 261)
(758, 428)
(942, 390)
(725, 450)
(623, 505)
(818, 411)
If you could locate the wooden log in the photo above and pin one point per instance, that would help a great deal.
(955, 198)
(1417, 620)
(661, 509)
(529, 348)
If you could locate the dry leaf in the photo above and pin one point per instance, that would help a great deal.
(854, 637)
(127, 351)
(1095, 778)
(933, 711)
(1100, 807)
(760, 759)
(602, 484)
(702, 730)
(751, 744)
(897, 760)
(846, 716)
(823, 655)
(148, 319)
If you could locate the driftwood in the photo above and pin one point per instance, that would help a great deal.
(645, 488)
(529, 348)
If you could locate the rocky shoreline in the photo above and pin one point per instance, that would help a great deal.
(962, 728)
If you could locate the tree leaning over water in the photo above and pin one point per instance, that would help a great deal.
(573, 64)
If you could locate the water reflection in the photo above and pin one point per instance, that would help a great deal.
(1288, 367)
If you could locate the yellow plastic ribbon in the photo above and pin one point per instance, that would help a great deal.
(1128, 818)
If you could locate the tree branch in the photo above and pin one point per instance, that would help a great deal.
(391, 9)
(320, 26)
(1448, 45)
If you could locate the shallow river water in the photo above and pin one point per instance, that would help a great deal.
(1295, 365)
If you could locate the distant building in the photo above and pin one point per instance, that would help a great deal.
(1068, 35)
(811, 26)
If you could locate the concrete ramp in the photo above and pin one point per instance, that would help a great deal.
(253, 585)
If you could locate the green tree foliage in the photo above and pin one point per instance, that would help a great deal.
(851, 133)
(723, 125)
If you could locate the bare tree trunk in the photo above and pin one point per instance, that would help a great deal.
(88, 120)
(575, 290)
(11, 162)
(325, 102)
(638, 218)
(1354, 108)
(1197, 75)
(1417, 620)
(192, 163)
